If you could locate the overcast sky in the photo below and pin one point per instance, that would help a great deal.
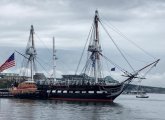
(142, 21)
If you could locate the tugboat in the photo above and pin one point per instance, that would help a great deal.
(91, 86)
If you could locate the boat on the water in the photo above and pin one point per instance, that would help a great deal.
(142, 96)
(140, 92)
(90, 85)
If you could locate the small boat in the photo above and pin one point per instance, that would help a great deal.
(142, 96)
(24, 88)
(141, 93)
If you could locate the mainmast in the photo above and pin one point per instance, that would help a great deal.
(97, 57)
(54, 61)
(95, 49)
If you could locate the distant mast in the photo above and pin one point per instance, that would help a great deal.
(54, 61)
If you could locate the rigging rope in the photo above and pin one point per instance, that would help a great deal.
(84, 49)
(86, 66)
(126, 38)
(143, 76)
(117, 46)
(43, 61)
(147, 72)
(42, 67)
(43, 43)
(124, 71)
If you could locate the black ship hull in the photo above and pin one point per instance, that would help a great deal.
(83, 97)
(68, 97)
(95, 93)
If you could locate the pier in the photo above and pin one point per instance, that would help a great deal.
(4, 93)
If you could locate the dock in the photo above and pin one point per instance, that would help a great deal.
(4, 93)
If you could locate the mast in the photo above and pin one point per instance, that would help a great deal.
(54, 61)
(32, 57)
(96, 46)
(95, 49)
(31, 52)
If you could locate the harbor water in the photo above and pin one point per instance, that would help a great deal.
(125, 107)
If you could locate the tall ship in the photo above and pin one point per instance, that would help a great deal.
(90, 85)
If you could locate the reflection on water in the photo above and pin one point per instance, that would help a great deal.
(125, 107)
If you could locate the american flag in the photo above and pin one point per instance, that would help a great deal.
(10, 62)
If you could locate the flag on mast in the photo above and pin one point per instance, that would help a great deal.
(10, 62)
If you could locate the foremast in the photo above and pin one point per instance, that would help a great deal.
(31, 52)
(95, 50)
